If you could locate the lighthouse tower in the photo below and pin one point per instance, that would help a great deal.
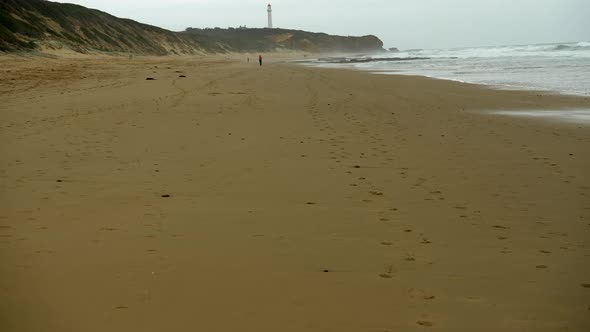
(269, 10)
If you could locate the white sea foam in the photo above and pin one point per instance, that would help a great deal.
(571, 116)
(559, 67)
(578, 50)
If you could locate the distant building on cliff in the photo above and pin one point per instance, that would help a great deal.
(269, 10)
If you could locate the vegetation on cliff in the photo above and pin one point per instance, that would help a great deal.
(250, 40)
(27, 24)
(39, 24)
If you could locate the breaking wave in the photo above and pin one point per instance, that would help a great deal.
(558, 67)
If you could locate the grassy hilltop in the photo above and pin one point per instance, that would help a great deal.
(246, 40)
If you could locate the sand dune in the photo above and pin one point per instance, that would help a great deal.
(283, 198)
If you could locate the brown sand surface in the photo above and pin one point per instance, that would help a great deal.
(299, 200)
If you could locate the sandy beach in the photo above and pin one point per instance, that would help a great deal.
(284, 198)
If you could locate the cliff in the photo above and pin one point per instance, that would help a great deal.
(27, 25)
(30, 24)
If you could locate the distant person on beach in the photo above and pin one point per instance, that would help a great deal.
(260, 59)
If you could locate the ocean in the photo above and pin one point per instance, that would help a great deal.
(559, 67)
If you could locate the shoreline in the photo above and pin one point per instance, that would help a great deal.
(561, 115)
(504, 87)
(239, 197)
(556, 68)
(491, 87)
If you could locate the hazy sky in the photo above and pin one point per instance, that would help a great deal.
(399, 23)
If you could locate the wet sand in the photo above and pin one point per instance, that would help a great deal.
(283, 198)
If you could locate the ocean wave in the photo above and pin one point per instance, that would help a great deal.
(366, 60)
(572, 47)
(577, 49)
(557, 67)
(523, 68)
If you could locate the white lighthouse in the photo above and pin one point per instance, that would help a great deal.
(269, 10)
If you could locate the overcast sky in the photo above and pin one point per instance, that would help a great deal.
(399, 23)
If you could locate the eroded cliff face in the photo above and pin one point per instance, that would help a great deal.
(38, 24)
(30, 24)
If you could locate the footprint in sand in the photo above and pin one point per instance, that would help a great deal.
(585, 285)
(541, 266)
(424, 323)
(385, 276)
(386, 243)
(501, 227)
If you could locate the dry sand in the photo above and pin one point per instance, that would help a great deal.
(300, 200)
